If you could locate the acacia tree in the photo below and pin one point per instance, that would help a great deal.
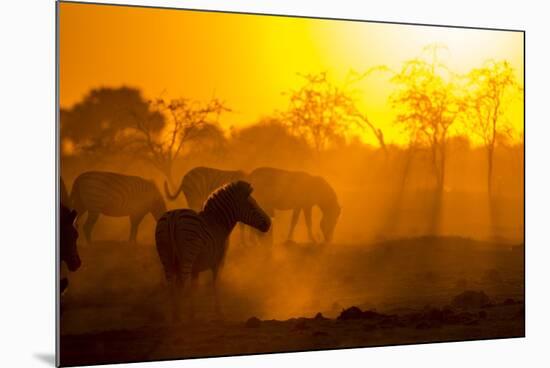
(318, 111)
(365, 122)
(429, 105)
(322, 112)
(186, 121)
(491, 88)
(95, 125)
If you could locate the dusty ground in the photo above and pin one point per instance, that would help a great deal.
(115, 309)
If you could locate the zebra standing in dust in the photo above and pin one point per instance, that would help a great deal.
(198, 183)
(117, 195)
(189, 242)
(278, 189)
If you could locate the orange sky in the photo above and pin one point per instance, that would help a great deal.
(247, 60)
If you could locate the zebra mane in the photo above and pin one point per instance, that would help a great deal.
(237, 189)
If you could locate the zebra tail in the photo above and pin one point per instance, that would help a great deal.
(170, 196)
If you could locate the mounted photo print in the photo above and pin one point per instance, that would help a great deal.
(234, 183)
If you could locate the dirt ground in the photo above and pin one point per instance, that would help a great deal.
(295, 297)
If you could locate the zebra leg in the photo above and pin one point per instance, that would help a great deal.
(89, 225)
(134, 224)
(217, 307)
(307, 217)
(176, 286)
(293, 222)
(192, 294)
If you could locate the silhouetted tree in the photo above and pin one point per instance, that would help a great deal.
(492, 86)
(269, 142)
(212, 140)
(186, 121)
(361, 118)
(365, 122)
(319, 111)
(429, 104)
(94, 125)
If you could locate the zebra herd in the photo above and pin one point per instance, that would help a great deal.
(275, 189)
(193, 240)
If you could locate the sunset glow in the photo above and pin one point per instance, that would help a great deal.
(249, 61)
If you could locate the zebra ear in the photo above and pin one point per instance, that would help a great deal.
(246, 187)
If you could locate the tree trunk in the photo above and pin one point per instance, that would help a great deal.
(392, 218)
(436, 212)
(435, 165)
(439, 167)
(490, 154)
(443, 159)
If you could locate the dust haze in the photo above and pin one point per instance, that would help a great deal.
(420, 223)
(285, 280)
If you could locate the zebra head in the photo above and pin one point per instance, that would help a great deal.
(68, 236)
(233, 203)
(328, 222)
(250, 213)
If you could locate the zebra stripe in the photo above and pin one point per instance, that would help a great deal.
(200, 182)
(189, 242)
(278, 189)
(116, 195)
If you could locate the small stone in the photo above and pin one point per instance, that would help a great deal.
(253, 322)
(319, 317)
(350, 313)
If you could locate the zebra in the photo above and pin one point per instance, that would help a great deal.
(68, 236)
(198, 183)
(189, 242)
(278, 189)
(116, 195)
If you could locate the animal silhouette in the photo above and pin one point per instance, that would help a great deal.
(68, 236)
(277, 189)
(198, 183)
(189, 242)
(117, 195)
